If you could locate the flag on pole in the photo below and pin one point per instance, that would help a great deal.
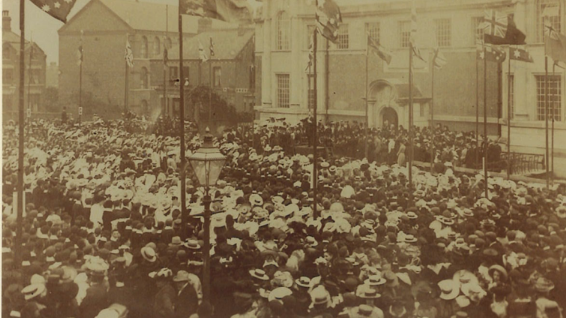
(80, 54)
(492, 53)
(225, 10)
(129, 55)
(555, 46)
(201, 53)
(211, 48)
(438, 61)
(520, 55)
(311, 53)
(499, 29)
(379, 50)
(59, 9)
(413, 35)
(328, 19)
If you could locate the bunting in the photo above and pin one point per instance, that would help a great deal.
(328, 19)
(379, 50)
(59, 9)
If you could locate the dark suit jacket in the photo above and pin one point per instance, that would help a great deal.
(95, 300)
(186, 303)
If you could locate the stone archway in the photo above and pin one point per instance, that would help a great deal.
(383, 104)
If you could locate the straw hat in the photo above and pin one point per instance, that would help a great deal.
(149, 254)
(449, 289)
(259, 274)
(367, 292)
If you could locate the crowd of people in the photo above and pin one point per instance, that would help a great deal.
(384, 145)
(103, 235)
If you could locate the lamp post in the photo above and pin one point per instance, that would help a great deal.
(207, 163)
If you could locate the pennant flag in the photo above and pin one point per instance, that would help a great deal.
(499, 29)
(438, 61)
(225, 10)
(413, 35)
(80, 55)
(211, 48)
(520, 55)
(59, 9)
(328, 19)
(555, 46)
(129, 55)
(379, 50)
(311, 54)
(201, 53)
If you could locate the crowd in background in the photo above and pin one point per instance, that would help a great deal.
(103, 233)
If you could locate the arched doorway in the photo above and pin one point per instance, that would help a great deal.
(389, 117)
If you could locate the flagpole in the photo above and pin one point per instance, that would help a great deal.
(485, 119)
(552, 136)
(29, 85)
(126, 79)
(509, 115)
(184, 215)
(315, 130)
(210, 93)
(410, 114)
(81, 81)
(166, 100)
(432, 113)
(20, 196)
(367, 119)
(477, 111)
(546, 116)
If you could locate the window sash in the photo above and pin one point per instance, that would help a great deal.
(554, 21)
(404, 33)
(217, 76)
(283, 31)
(554, 96)
(343, 40)
(283, 93)
(443, 32)
(477, 32)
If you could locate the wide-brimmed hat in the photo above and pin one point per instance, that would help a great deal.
(259, 274)
(176, 241)
(192, 244)
(449, 289)
(367, 292)
(303, 282)
(33, 290)
(182, 276)
(361, 311)
(375, 280)
(163, 273)
(499, 269)
(148, 254)
(320, 296)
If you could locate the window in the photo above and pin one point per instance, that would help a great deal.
(7, 76)
(511, 95)
(554, 93)
(144, 78)
(143, 48)
(405, 33)
(156, 46)
(173, 72)
(443, 32)
(421, 110)
(311, 91)
(548, 13)
(283, 31)
(477, 31)
(168, 43)
(373, 30)
(34, 76)
(217, 74)
(283, 90)
(343, 40)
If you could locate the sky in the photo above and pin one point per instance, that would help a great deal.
(42, 28)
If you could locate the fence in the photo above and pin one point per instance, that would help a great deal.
(524, 163)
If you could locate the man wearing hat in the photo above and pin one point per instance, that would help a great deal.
(186, 302)
(96, 297)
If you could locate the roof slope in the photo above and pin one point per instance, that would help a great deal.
(228, 43)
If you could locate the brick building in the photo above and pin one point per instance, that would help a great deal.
(105, 26)
(282, 40)
(232, 69)
(34, 74)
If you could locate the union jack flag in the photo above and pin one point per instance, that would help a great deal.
(494, 24)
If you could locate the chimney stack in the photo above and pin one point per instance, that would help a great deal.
(204, 25)
(6, 21)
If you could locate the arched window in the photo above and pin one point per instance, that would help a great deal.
(143, 48)
(283, 31)
(144, 78)
(156, 46)
(168, 43)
